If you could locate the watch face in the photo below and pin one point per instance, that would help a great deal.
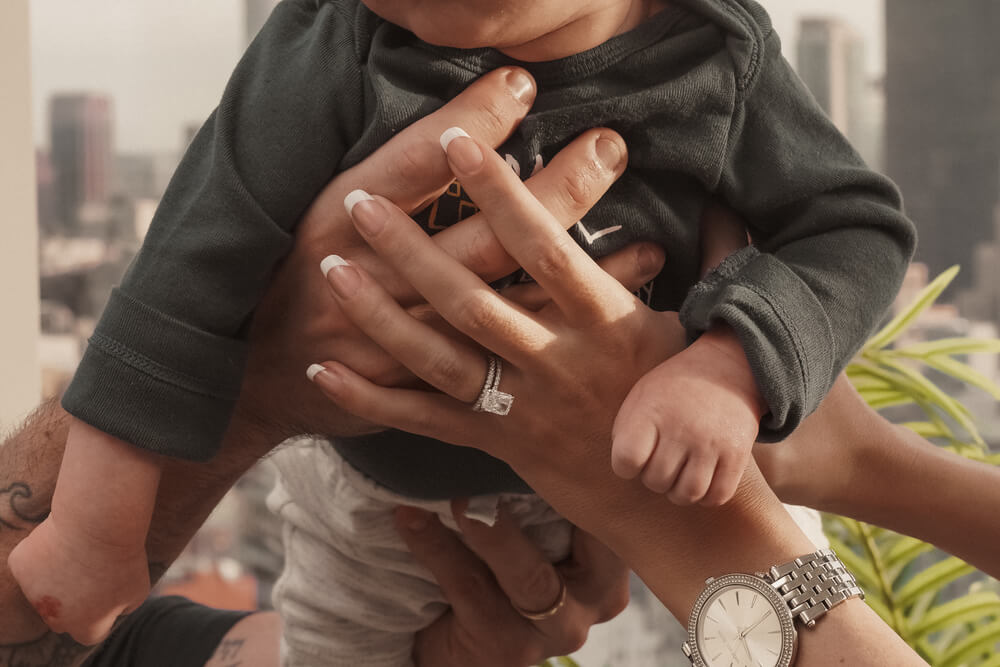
(740, 621)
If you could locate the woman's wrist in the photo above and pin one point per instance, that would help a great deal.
(750, 533)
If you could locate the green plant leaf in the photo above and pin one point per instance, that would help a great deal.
(951, 347)
(858, 566)
(966, 609)
(932, 579)
(980, 642)
(899, 323)
(902, 553)
(930, 392)
(928, 430)
(963, 372)
(993, 661)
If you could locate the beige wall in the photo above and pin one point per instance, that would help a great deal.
(19, 372)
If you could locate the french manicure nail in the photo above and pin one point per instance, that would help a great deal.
(331, 261)
(448, 135)
(353, 198)
(345, 280)
(313, 371)
(465, 156)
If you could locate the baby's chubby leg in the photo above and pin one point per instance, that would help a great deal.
(86, 564)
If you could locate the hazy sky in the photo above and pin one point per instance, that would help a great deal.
(165, 62)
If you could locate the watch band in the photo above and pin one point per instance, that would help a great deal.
(813, 584)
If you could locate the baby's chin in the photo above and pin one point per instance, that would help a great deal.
(457, 34)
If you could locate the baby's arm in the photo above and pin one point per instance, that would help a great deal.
(86, 564)
(164, 366)
(830, 248)
(688, 425)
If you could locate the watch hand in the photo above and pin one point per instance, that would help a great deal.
(746, 649)
(754, 625)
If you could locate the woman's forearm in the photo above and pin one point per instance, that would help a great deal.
(750, 534)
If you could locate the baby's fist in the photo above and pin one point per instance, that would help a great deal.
(688, 426)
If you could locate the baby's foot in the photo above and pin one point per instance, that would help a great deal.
(78, 584)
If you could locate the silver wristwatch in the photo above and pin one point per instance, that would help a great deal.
(744, 620)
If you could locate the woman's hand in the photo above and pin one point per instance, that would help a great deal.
(581, 343)
(296, 324)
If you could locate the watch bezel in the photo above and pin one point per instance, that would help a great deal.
(789, 636)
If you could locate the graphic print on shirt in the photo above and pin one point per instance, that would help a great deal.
(455, 205)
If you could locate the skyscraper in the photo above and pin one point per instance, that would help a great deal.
(80, 127)
(257, 12)
(831, 62)
(943, 122)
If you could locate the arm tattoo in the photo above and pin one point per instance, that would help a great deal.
(229, 651)
(49, 650)
(12, 516)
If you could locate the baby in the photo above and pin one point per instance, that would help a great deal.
(708, 109)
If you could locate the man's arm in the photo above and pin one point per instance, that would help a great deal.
(878, 472)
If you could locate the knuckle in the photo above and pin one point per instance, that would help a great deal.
(445, 371)
(411, 162)
(578, 188)
(575, 637)
(553, 258)
(492, 115)
(479, 313)
(615, 604)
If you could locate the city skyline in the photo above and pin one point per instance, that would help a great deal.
(165, 70)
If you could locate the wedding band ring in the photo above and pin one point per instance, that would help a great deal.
(491, 399)
(550, 611)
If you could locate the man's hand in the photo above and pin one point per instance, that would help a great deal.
(688, 426)
(498, 567)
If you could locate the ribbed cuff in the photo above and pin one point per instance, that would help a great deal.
(157, 383)
(782, 326)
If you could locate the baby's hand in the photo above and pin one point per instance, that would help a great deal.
(77, 584)
(688, 425)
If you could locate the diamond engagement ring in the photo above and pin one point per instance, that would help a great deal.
(491, 399)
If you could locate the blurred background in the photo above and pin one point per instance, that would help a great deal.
(100, 98)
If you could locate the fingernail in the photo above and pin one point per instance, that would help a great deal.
(343, 277)
(353, 198)
(521, 86)
(647, 260)
(367, 212)
(313, 371)
(465, 156)
(331, 261)
(609, 153)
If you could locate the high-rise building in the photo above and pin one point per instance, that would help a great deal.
(257, 12)
(81, 141)
(831, 62)
(943, 122)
